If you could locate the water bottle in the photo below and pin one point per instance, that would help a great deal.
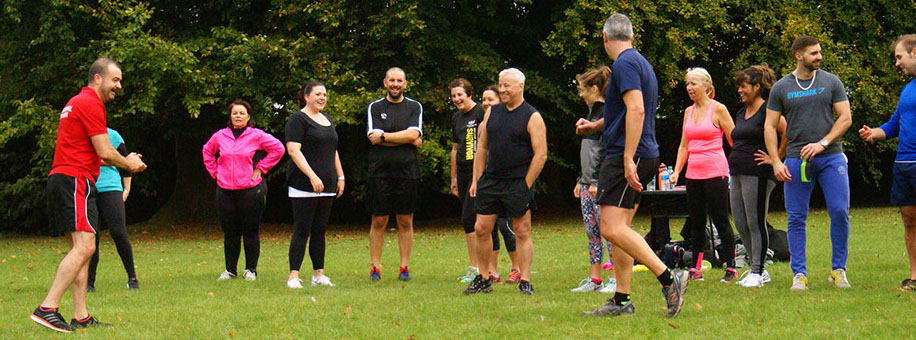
(806, 172)
(651, 184)
(663, 184)
(670, 184)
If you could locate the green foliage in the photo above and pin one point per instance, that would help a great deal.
(726, 36)
(183, 61)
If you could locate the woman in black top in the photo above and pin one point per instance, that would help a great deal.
(315, 177)
(752, 178)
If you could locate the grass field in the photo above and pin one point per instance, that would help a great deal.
(180, 298)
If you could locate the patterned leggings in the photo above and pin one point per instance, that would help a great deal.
(591, 217)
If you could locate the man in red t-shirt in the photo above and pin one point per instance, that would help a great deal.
(82, 143)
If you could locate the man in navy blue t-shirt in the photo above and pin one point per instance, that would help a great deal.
(630, 163)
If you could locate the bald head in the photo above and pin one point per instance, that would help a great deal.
(395, 81)
(395, 71)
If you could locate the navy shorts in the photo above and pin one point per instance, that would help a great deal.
(903, 191)
(613, 188)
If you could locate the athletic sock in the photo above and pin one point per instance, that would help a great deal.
(596, 281)
(621, 299)
(666, 279)
(46, 309)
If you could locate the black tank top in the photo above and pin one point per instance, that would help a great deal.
(748, 138)
(510, 151)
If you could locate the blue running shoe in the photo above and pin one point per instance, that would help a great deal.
(374, 274)
(404, 275)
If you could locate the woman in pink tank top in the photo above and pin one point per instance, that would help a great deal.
(707, 171)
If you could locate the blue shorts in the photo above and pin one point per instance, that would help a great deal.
(903, 191)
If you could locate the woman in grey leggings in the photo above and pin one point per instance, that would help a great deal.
(751, 172)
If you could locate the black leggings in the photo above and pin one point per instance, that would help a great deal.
(310, 218)
(112, 216)
(504, 226)
(711, 196)
(240, 217)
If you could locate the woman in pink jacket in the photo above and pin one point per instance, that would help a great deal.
(234, 156)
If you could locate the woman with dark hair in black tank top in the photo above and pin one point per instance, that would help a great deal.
(315, 177)
(751, 172)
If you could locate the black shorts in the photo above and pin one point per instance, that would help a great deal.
(613, 188)
(468, 212)
(386, 196)
(71, 204)
(903, 190)
(504, 197)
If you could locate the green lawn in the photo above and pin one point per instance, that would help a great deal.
(180, 297)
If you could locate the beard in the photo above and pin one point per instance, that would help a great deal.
(811, 65)
(395, 96)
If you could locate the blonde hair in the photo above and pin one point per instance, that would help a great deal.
(704, 78)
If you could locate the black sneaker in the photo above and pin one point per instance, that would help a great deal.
(479, 285)
(525, 287)
(90, 287)
(132, 284)
(89, 322)
(674, 294)
(612, 309)
(50, 318)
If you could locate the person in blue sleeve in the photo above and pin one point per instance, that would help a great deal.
(903, 126)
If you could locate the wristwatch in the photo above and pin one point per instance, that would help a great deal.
(823, 142)
(382, 137)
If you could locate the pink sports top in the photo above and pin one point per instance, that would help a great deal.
(705, 157)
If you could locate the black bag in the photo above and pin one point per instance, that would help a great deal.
(711, 248)
(673, 255)
(779, 243)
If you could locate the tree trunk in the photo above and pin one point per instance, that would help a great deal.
(193, 191)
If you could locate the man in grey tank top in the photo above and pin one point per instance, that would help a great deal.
(809, 98)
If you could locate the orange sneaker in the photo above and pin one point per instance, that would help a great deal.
(514, 276)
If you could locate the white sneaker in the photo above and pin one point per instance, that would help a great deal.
(250, 275)
(799, 282)
(766, 276)
(752, 280)
(226, 275)
(609, 287)
(586, 285)
(322, 281)
(294, 283)
(838, 277)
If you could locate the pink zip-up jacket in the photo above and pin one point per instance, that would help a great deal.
(236, 157)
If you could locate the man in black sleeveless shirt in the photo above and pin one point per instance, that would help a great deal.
(511, 151)
(395, 124)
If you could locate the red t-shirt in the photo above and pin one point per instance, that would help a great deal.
(83, 117)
